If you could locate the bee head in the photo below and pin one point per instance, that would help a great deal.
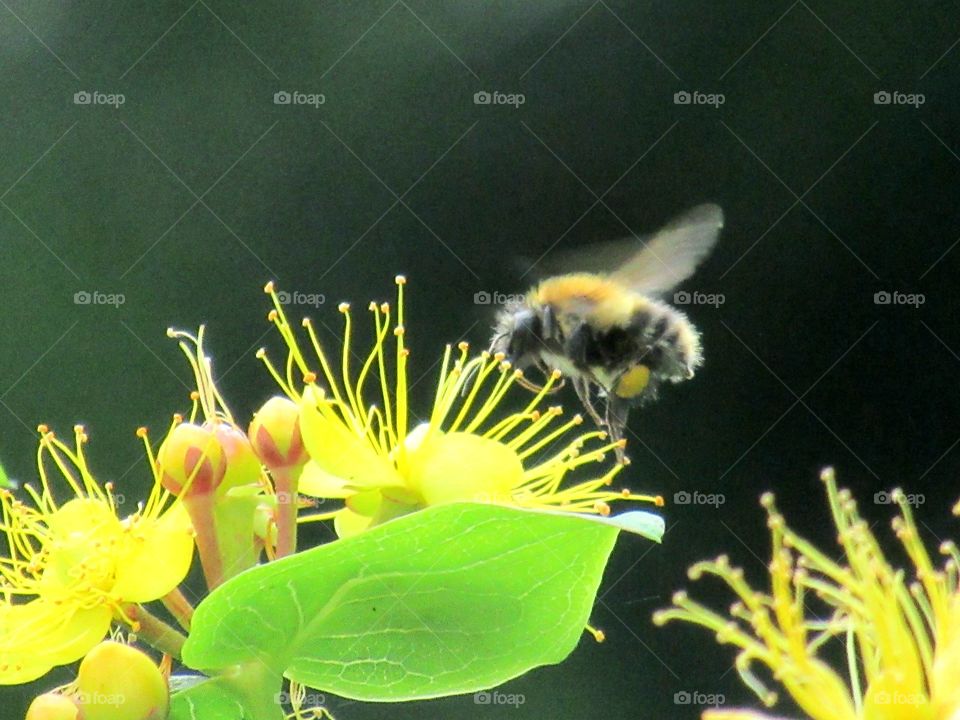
(518, 335)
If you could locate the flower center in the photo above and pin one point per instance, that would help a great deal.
(463, 467)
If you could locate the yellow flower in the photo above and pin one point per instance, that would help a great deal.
(369, 456)
(902, 637)
(72, 567)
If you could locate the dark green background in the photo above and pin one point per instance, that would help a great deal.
(199, 188)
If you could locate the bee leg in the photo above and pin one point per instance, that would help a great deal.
(526, 384)
(547, 372)
(617, 411)
(582, 388)
(548, 322)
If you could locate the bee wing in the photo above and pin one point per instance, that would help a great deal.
(672, 254)
(664, 260)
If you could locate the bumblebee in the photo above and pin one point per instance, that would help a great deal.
(605, 326)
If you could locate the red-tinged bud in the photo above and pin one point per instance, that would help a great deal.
(275, 434)
(119, 682)
(52, 706)
(191, 457)
(243, 465)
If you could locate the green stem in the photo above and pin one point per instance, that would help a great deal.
(285, 482)
(155, 631)
(200, 507)
(178, 606)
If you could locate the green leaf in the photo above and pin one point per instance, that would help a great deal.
(447, 600)
(206, 700)
(247, 692)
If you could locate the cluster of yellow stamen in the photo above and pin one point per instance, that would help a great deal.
(469, 392)
(72, 565)
(302, 711)
(208, 403)
(895, 631)
(34, 537)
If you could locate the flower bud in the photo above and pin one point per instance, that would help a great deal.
(191, 454)
(264, 520)
(118, 682)
(53, 706)
(275, 434)
(243, 465)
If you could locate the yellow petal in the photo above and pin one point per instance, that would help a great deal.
(70, 638)
(36, 636)
(944, 688)
(888, 698)
(347, 523)
(156, 556)
(338, 450)
(316, 482)
(463, 467)
(365, 503)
